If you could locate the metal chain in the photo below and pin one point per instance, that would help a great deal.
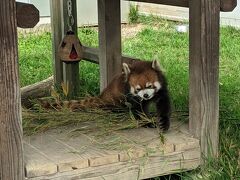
(70, 16)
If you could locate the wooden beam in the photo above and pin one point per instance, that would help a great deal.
(226, 5)
(57, 35)
(91, 54)
(109, 19)
(27, 15)
(36, 90)
(11, 149)
(204, 78)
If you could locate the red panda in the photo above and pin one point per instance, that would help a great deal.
(139, 84)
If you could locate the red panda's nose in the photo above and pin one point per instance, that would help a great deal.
(146, 96)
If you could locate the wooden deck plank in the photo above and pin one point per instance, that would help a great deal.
(143, 154)
(170, 163)
(140, 169)
(146, 148)
(94, 172)
(181, 141)
(37, 164)
(130, 174)
(95, 178)
(86, 148)
(64, 156)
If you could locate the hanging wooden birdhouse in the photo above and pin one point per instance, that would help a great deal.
(70, 49)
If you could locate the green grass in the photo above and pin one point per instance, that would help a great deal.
(133, 14)
(159, 40)
(35, 57)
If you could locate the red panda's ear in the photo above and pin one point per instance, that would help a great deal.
(156, 65)
(126, 70)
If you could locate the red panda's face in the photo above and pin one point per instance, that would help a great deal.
(144, 85)
(143, 78)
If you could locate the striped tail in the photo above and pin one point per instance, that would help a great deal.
(75, 105)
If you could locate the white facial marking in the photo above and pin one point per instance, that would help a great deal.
(126, 71)
(157, 85)
(148, 84)
(132, 90)
(138, 87)
(146, 94)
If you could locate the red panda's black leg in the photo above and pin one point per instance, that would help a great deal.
(163, 112)
(137, 111)
(136, 106)
(145, 106)
(140, 109)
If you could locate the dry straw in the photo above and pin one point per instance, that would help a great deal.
(101, 122)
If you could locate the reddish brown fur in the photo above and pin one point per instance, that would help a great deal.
(143, 78)
(120, 89)
(114, 93)
(141, 73)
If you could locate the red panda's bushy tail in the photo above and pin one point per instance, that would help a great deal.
(74, 105)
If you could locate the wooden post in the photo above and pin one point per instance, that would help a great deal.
(109, 20)
(71, 71)
(204, 69)
(67, 73)
(56, 23)
(11, 149)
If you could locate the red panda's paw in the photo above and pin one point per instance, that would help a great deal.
(164, 123)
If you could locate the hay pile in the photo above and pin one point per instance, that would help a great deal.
(102, 122)
(96, 124)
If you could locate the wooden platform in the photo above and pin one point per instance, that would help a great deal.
(131, 154)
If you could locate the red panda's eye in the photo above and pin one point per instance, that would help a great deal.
(138, 89)
(150, 86)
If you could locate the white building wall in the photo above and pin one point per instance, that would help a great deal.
(231, 18)
(179, 13)
(86, 11)
(88, 14)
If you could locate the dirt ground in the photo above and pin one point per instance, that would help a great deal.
(128, 30)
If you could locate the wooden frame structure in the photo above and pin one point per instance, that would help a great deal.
(204, 67)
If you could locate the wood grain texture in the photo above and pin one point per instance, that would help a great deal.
(141, 168)
(36, 164)
(36, 90)
(114, 156)
(92, 55)
(11, 150)
(204, 77)
(109, 22)
(64, 156)
(70, 71)
(67, 73)
(57, 35)
(83, 145)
